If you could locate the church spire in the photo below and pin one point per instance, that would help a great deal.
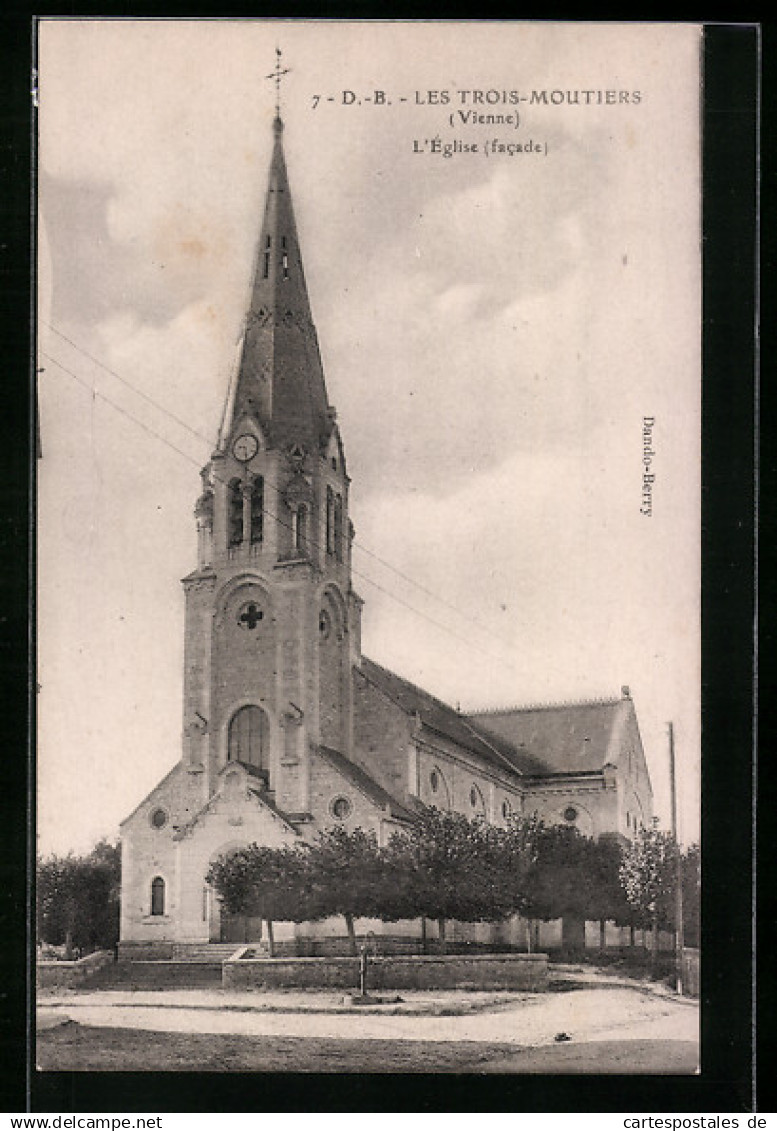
(279, 379)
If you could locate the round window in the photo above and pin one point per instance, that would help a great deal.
(159, 818)
(340, 808)
(434, 781)
(570, 814)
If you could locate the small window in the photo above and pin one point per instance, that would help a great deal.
(330, 521)
(157, 896)
(506, 810)
(338, 532)
(340, 808)
(299, 528)
(235, 513)
(159, 818)
(570, 813)
(434, 781)
(257, 510)
(324, 624)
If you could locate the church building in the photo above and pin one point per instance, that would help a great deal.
(287, 728)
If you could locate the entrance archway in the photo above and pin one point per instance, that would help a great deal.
(239, 928)
(223, 926)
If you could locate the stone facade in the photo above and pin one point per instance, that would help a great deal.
(287, 728)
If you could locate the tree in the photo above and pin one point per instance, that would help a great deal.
(605, 898)
(346, 873)
(443, 868)
(78, 899)
(511, 853)
(648, 874)
(272, 883)
(559, 881)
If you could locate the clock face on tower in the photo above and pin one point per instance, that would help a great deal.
(245, 447)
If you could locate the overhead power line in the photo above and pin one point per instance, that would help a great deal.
(211, 442)
(281, 521)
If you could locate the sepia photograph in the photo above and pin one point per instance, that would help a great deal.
(368, 523)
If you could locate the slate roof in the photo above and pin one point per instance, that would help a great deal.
(441, 718)
(563, 738)
(279, 378)
(367, 785)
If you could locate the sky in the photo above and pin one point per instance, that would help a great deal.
(495, 326)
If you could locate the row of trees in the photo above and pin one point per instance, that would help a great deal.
(449, 867)
(445, 867)
(78, 899)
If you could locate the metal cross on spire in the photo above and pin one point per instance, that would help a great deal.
(276, 76)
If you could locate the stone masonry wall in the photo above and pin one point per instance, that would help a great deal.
(381, 734)
(431, 972)
(326, 785)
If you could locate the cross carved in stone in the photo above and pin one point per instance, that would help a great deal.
(251, 616)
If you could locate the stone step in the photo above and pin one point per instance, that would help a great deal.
(204, 952)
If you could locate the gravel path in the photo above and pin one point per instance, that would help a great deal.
(607, 1012)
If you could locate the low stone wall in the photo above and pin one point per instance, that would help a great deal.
(339, 946)
(60, 975)
(429, 972)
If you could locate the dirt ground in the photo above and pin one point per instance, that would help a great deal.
(73, 1047)
(595, 1026)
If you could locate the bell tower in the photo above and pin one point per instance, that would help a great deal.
(272, 622)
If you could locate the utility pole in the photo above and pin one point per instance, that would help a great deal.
(678, 899)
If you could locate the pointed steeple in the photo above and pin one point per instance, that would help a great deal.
(279, 379)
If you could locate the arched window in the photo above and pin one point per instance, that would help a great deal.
(235, 504)
(249, 738)
(299, 528)
(438, 789)
(476, 800)
(157, 896)
(330, 521)
(257, 510)
(338, 524)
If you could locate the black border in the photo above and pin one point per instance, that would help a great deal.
(731, 70)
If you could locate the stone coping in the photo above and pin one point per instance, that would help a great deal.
(240, 956)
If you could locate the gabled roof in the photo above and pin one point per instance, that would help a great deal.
(176, 769)
(256, 793)
(361, 780)
(560, 738)
(534, 741)
(440, 718)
